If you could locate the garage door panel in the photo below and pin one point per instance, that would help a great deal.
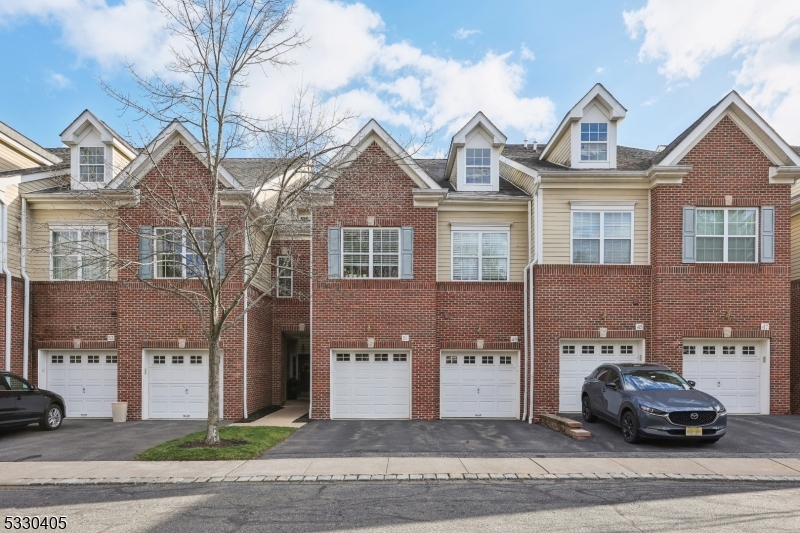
(370, 389)
(177, 386)
(88, 388)
(581, 359)
(730, 371)
(485, 388)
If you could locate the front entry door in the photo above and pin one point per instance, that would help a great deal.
(304, 375)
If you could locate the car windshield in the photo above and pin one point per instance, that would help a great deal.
(654, 380)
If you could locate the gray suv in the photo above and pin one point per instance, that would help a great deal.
(651, 401)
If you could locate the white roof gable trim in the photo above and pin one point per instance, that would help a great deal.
(71, 136)
(750, 122)
(615, 110)
(144, 162)
(480, 120)
(372, 131)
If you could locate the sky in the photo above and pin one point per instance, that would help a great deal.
(418, 65)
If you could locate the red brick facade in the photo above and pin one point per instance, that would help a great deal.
(17, 333)
(795, 364)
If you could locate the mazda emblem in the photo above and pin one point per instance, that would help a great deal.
(693, 416)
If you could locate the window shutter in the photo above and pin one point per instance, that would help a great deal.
(768, 234)
(334, 252)
(221, 251)
(689, 245)
(146, 252)
(407, 253)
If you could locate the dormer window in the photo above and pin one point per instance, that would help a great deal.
(594, 141)
(479, 161)
(92, 164)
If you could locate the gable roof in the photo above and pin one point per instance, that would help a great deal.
(615, 110)
(31, 150)
(174, 133)
(107, 134)
(372, 131)
(748, 120)
(460, 137)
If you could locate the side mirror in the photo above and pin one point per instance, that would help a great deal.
(692, 383)
(612, 386)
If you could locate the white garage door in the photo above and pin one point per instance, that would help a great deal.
(87, 381)
(729, 371)
(480, 385)
(178, 385)
(370, 385)
(579, 358)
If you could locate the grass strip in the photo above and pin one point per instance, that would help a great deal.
(255, 441)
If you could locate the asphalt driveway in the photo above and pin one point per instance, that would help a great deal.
(748, 436)
(91, 440)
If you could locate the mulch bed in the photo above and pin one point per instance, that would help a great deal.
(224, 443)
(303, 419)
(252, 417)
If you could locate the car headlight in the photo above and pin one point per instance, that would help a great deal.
(720, 409)
(652, 410)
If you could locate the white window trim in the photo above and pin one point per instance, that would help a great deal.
(103, 164)
(79, 227)
(500, 227)
(725, 234)
(290, 277)
(183, 253)
(487, 185)
(606, 142)
(371, 253)
(616, 207)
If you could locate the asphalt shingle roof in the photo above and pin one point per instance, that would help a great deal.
(436, 170)
(627, 158)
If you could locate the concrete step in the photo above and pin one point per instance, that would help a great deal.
(567, 426)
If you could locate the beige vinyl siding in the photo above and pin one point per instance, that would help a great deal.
(796, 247)
(263, 276)
(556, 215)
(14, 203)
(532, 231)
(518, 241)
(520, 179)
(39, 237)
(561, 153)
(11, 159)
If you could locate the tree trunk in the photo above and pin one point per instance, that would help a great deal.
(212, 423)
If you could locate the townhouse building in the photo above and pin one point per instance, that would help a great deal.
(485, 284)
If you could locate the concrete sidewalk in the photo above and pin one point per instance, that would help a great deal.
(284, 418)
(397, 468)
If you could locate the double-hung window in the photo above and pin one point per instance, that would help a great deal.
(480, 255)
(284, 277)
(92, 164)
(79, 253)
(726, 235)
(371, 252)
(179, 256)
(479, 164)
(602, 237)
(594, 141)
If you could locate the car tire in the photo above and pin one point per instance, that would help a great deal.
(586, 410)
(53, 418)
(630, 427)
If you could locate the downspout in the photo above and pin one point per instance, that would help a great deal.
(26, 321)
(525, 340)
(244, 325)
(7, 273)
(530, 284)
(311, 323)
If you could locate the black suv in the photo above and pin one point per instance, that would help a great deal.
(22, 403)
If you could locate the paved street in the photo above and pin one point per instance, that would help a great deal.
(753, 436)
(424, 506)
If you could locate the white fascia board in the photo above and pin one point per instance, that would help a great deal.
(735, 102)
(428, 197)
(783, 175)
(615, 110)
(44, 174)
(667, 175)
(372, 131)
(516, 166)
(158, 148)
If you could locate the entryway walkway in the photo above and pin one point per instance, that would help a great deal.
(284, 418)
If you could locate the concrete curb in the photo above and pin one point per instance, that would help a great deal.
(507, 477)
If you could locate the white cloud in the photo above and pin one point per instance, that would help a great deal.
(347, 63)
(526, 53)
(58, 81)
(599, 70)
(462, 33)
(684, 37)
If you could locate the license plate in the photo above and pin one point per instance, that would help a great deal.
(694, 432)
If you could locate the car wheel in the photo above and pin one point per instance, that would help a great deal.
(586, 410)
(630, 428)
(52, 418)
